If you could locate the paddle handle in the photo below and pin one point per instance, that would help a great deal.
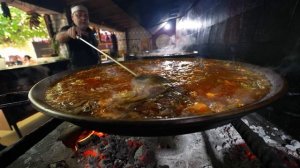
(117, 62)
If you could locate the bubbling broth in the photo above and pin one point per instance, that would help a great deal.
(196, 87)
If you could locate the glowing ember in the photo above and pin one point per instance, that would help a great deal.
(96, 149)
(90, 153)
(247, 152)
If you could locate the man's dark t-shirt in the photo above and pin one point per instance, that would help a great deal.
(81, 54)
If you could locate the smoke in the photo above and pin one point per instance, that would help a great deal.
(289, 64)
(176, 45)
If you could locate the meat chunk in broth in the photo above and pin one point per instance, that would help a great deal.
(143, 87)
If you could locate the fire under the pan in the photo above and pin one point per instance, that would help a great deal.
(218, 147)
(97, 149)
(196, 87)
(103, 150)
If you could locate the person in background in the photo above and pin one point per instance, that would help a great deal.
(81, 54)
(114, 41)
(27, 60)
(15, 60)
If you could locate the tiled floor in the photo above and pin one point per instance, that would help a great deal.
(9, 137)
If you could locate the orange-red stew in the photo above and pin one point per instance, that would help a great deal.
(199, 87)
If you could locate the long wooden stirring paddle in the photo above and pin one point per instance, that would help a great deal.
(117, 62)
(150, 85)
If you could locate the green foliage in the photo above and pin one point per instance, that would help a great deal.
(17, 32)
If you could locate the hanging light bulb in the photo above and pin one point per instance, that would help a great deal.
(167, 26)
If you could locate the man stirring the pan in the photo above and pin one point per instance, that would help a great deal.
(81, 55)
(83, 52)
